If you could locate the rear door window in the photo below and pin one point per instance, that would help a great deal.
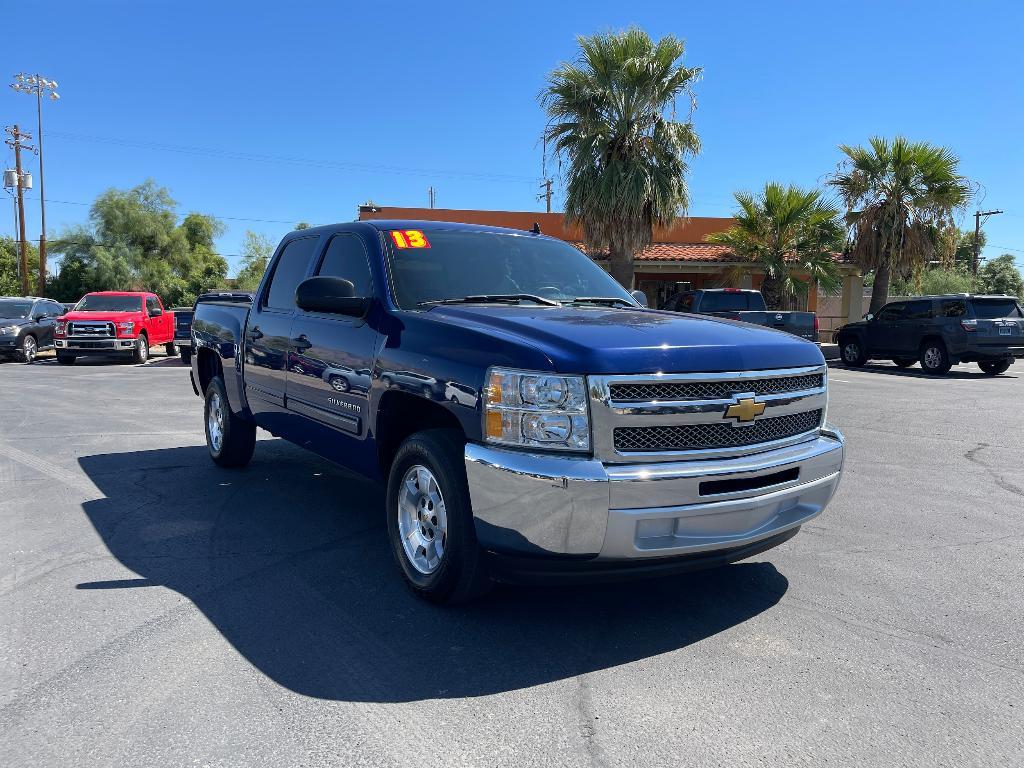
(993, 309)
(727, 301)
(918, 310)
(288, 273)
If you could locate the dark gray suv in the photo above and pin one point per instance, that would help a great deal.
(939, 331)
(26, 326)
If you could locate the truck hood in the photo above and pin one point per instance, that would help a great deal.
(603, 340)
(102, 316)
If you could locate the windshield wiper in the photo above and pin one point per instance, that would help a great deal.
(609, 300)
(493, 298)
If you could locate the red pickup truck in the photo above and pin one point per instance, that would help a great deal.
(123, 323)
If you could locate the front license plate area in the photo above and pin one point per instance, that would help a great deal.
(1005, 330)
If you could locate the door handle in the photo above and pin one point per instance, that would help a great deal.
(254, 333)
(302, 342)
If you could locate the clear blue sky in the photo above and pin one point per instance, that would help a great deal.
(381, 100)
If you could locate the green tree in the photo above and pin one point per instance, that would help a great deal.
(133, 242)
(10, 261)
(302, 225)
(935, 281)
(898, 195)
(611, 114)
(256, 252)
(789, 233)
(1000, 275)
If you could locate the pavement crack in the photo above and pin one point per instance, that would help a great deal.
(1002, 482)
(588, 724)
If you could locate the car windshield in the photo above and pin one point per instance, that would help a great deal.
(97, 303)
(990, 309)
(14, 308)
(454, 264)
(727, 301)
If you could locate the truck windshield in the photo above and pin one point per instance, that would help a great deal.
(458, 264)
(96, 303)
(731, 301)
(991, 309)
(11, 308)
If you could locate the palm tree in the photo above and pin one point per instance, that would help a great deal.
(611, 114)
(790, 233)
(898, 196)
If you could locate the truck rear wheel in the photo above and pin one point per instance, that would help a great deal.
(171, 349)
(230, 439)
(186, 356)
(430, 519)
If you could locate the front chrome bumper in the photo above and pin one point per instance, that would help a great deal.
(95, 346)
(534, 504)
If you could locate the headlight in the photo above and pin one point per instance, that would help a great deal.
(59, 328)
(8, 329)
(127, 326)
(538, 410)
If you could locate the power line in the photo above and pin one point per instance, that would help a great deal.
(179, 215)
(227, 154)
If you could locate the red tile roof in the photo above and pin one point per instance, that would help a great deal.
(692, 252)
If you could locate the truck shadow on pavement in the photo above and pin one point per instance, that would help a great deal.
(288, 560)
(889, 369)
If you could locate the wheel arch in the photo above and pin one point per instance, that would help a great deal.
(402, 414)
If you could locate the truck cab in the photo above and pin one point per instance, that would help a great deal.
(529, 419)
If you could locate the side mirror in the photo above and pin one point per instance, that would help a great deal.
(156, 312)
(330, 294)
(640, 296)
(869, 317)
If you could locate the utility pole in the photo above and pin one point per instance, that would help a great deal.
(15, 143)
(430, 196)
(36, 84)
(977, 235)
(546, 186)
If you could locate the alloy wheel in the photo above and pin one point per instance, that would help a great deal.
(28, 349)
(215, 422)
(422, 519)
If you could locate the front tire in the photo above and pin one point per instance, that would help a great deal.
(430, 519)
(28, 349)
(995, 367)
(934, 358)
(852, 352)
(230, 439)
(141, 352)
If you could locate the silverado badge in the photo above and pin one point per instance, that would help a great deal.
(744, 410)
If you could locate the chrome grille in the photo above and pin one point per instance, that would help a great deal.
(689, 437)
(642, 418)
(91, 330)
(713, 390)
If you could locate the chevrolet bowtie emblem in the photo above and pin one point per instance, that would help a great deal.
(746, 409)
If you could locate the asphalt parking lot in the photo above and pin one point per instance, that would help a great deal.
(156, 610)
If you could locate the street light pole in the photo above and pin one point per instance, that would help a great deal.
(977, 236)
(37, 84)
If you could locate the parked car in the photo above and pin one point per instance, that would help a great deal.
(938, 331)
(183, 332)
(121, 323)
(745, 305)
(26, 326)
(608, 440)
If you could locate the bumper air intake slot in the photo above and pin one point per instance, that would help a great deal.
(739, 484)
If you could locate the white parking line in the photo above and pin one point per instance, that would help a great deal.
(50, 470)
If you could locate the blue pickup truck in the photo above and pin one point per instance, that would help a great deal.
(531, 420)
